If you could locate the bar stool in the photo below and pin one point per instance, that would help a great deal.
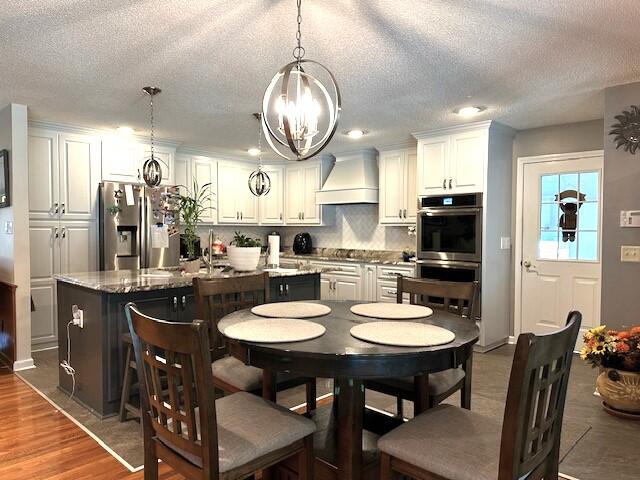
(128, 381)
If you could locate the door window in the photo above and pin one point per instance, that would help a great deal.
(569, 216)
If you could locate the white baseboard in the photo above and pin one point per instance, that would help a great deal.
(512, 340)
(23, 364)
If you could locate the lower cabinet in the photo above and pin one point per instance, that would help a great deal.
(296, 288)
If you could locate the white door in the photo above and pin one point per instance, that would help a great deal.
(205, 172)
(43, 174)
(347, 288)
(393, 193)
(272, 204)
(79, 176)
(560, 248)
(43, 250)
(44, 317)
(165, 157)
(182, 173)
(78, 248)
(433, 155)
(326, 287)
(121, 160)
(247, 201)
(411, 165)
(293, 195)
(310, 209)
(228, 211)
(469, 151)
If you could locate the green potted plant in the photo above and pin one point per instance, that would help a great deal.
(244, 252)
(192, 205)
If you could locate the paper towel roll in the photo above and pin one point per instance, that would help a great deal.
(274, 250)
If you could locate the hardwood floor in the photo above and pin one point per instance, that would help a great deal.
(37, 442)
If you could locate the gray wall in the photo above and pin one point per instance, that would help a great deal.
(572, 137)
(620, 292)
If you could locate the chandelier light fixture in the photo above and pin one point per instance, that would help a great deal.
(301, 106)
(151, 169)
(259, 181)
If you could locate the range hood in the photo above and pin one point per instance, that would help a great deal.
(354, 179)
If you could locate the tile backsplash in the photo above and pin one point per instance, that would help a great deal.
(355, 227)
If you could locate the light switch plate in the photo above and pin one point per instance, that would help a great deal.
(8, 228)
(505, 243)
(630, 253)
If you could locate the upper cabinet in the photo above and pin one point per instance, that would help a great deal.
(302, 181)
(236, 203)
(202, 170)
(398, 198)
(64, 172)
(272, 204)
(123, 159)
(452, 160)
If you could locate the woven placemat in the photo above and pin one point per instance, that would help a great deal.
(291, 310)
(275, 330)
(403, 334)
(391, 311)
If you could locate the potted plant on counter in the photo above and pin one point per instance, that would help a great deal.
(192, 205)
(244, 252)
(617, 353)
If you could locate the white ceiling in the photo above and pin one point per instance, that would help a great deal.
(402, 66)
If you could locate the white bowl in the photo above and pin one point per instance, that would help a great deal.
(244, 259)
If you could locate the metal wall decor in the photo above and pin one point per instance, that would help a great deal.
(627, 130)
(299, 113)
(259, 181)
(151, 169)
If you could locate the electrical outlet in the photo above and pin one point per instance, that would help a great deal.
(630, 253)
(8, 227)
(78, 316)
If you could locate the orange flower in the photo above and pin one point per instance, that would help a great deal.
(635, 330)
(612, 332)
(622, 347)
(623, 335)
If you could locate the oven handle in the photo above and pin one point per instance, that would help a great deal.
(448, 211)
(450, 263)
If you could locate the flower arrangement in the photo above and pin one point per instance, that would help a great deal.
(612, 349)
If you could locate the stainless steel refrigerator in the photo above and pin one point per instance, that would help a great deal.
(137, 227)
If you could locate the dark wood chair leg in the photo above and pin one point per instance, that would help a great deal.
(150, 462)
(421, 394)
(465, 391)
(311, 395)
(399, 407)
(127, 381)
(306, 459)
(385, 466)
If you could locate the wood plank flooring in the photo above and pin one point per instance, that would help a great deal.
(37, 442)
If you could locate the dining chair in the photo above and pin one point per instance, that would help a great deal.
(455, 297)
(196, 435)
(448, 442)
(218, 297)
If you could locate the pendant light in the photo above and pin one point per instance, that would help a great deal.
(151, 169)
(259, 181)
(299, 113)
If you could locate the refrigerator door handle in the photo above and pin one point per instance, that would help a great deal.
(142, 207)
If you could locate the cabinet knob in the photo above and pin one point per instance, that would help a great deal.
(286, 289)
(400, 213)
(303, 215)
(404, 213)
(281, 289)
(175, 304)
(444, 183)
(55, 233)
(64, 232)
(450, 183)
(56, 208)
(64, 209)
(184, 302)
(281, 216)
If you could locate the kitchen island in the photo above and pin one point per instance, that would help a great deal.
(96, 348)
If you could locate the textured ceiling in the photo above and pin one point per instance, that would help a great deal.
(402, 66)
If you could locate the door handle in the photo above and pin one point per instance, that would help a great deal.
(175, 304)
(444, 183)
(404, 213)
(286, 289)
(281, 289)
(64, 232)
(64, 209)
(184, 302)
(299, 216)
(55, 233)
(303, 215)
(450, 183)
(529, 266)
(400, 213)
(240, 215)
(237, 215)
(281, 216)
(56, 208)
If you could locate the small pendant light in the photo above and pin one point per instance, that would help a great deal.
(151, 169)
(259, 181)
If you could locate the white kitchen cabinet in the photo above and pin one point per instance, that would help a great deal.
(302, 182)
(78, 248)
(369, 282)
(340, 281)
(452, 163)
(182, 173)
(398, 197)
(44, 317)
(272, 204)
(124, 157)
(64, 172)
(166, 158)
(205, 171)
(236, 203)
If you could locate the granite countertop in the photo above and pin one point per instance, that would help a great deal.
(382, 257)
(126, 281)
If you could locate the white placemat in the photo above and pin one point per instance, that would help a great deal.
(291, 310)
(391, 311)
(275, 330)
(403, 334)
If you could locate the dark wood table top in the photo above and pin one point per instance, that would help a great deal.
(338, 354)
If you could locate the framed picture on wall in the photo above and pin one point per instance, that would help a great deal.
(5, 191)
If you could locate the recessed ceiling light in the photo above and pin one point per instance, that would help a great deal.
(124, 130)
(469, 111)
(253, 151)
(355, 133)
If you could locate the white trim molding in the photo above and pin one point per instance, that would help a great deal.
(23, 364)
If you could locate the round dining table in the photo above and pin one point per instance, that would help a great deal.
(338, 355)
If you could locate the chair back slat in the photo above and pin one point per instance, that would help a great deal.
(456, 297)
(218, 297)
(176, 385)
(535, 403)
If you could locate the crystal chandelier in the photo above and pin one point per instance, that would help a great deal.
(151, 169)
(299, 113)
(259, 181)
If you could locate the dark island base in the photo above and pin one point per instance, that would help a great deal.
(97, 352)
